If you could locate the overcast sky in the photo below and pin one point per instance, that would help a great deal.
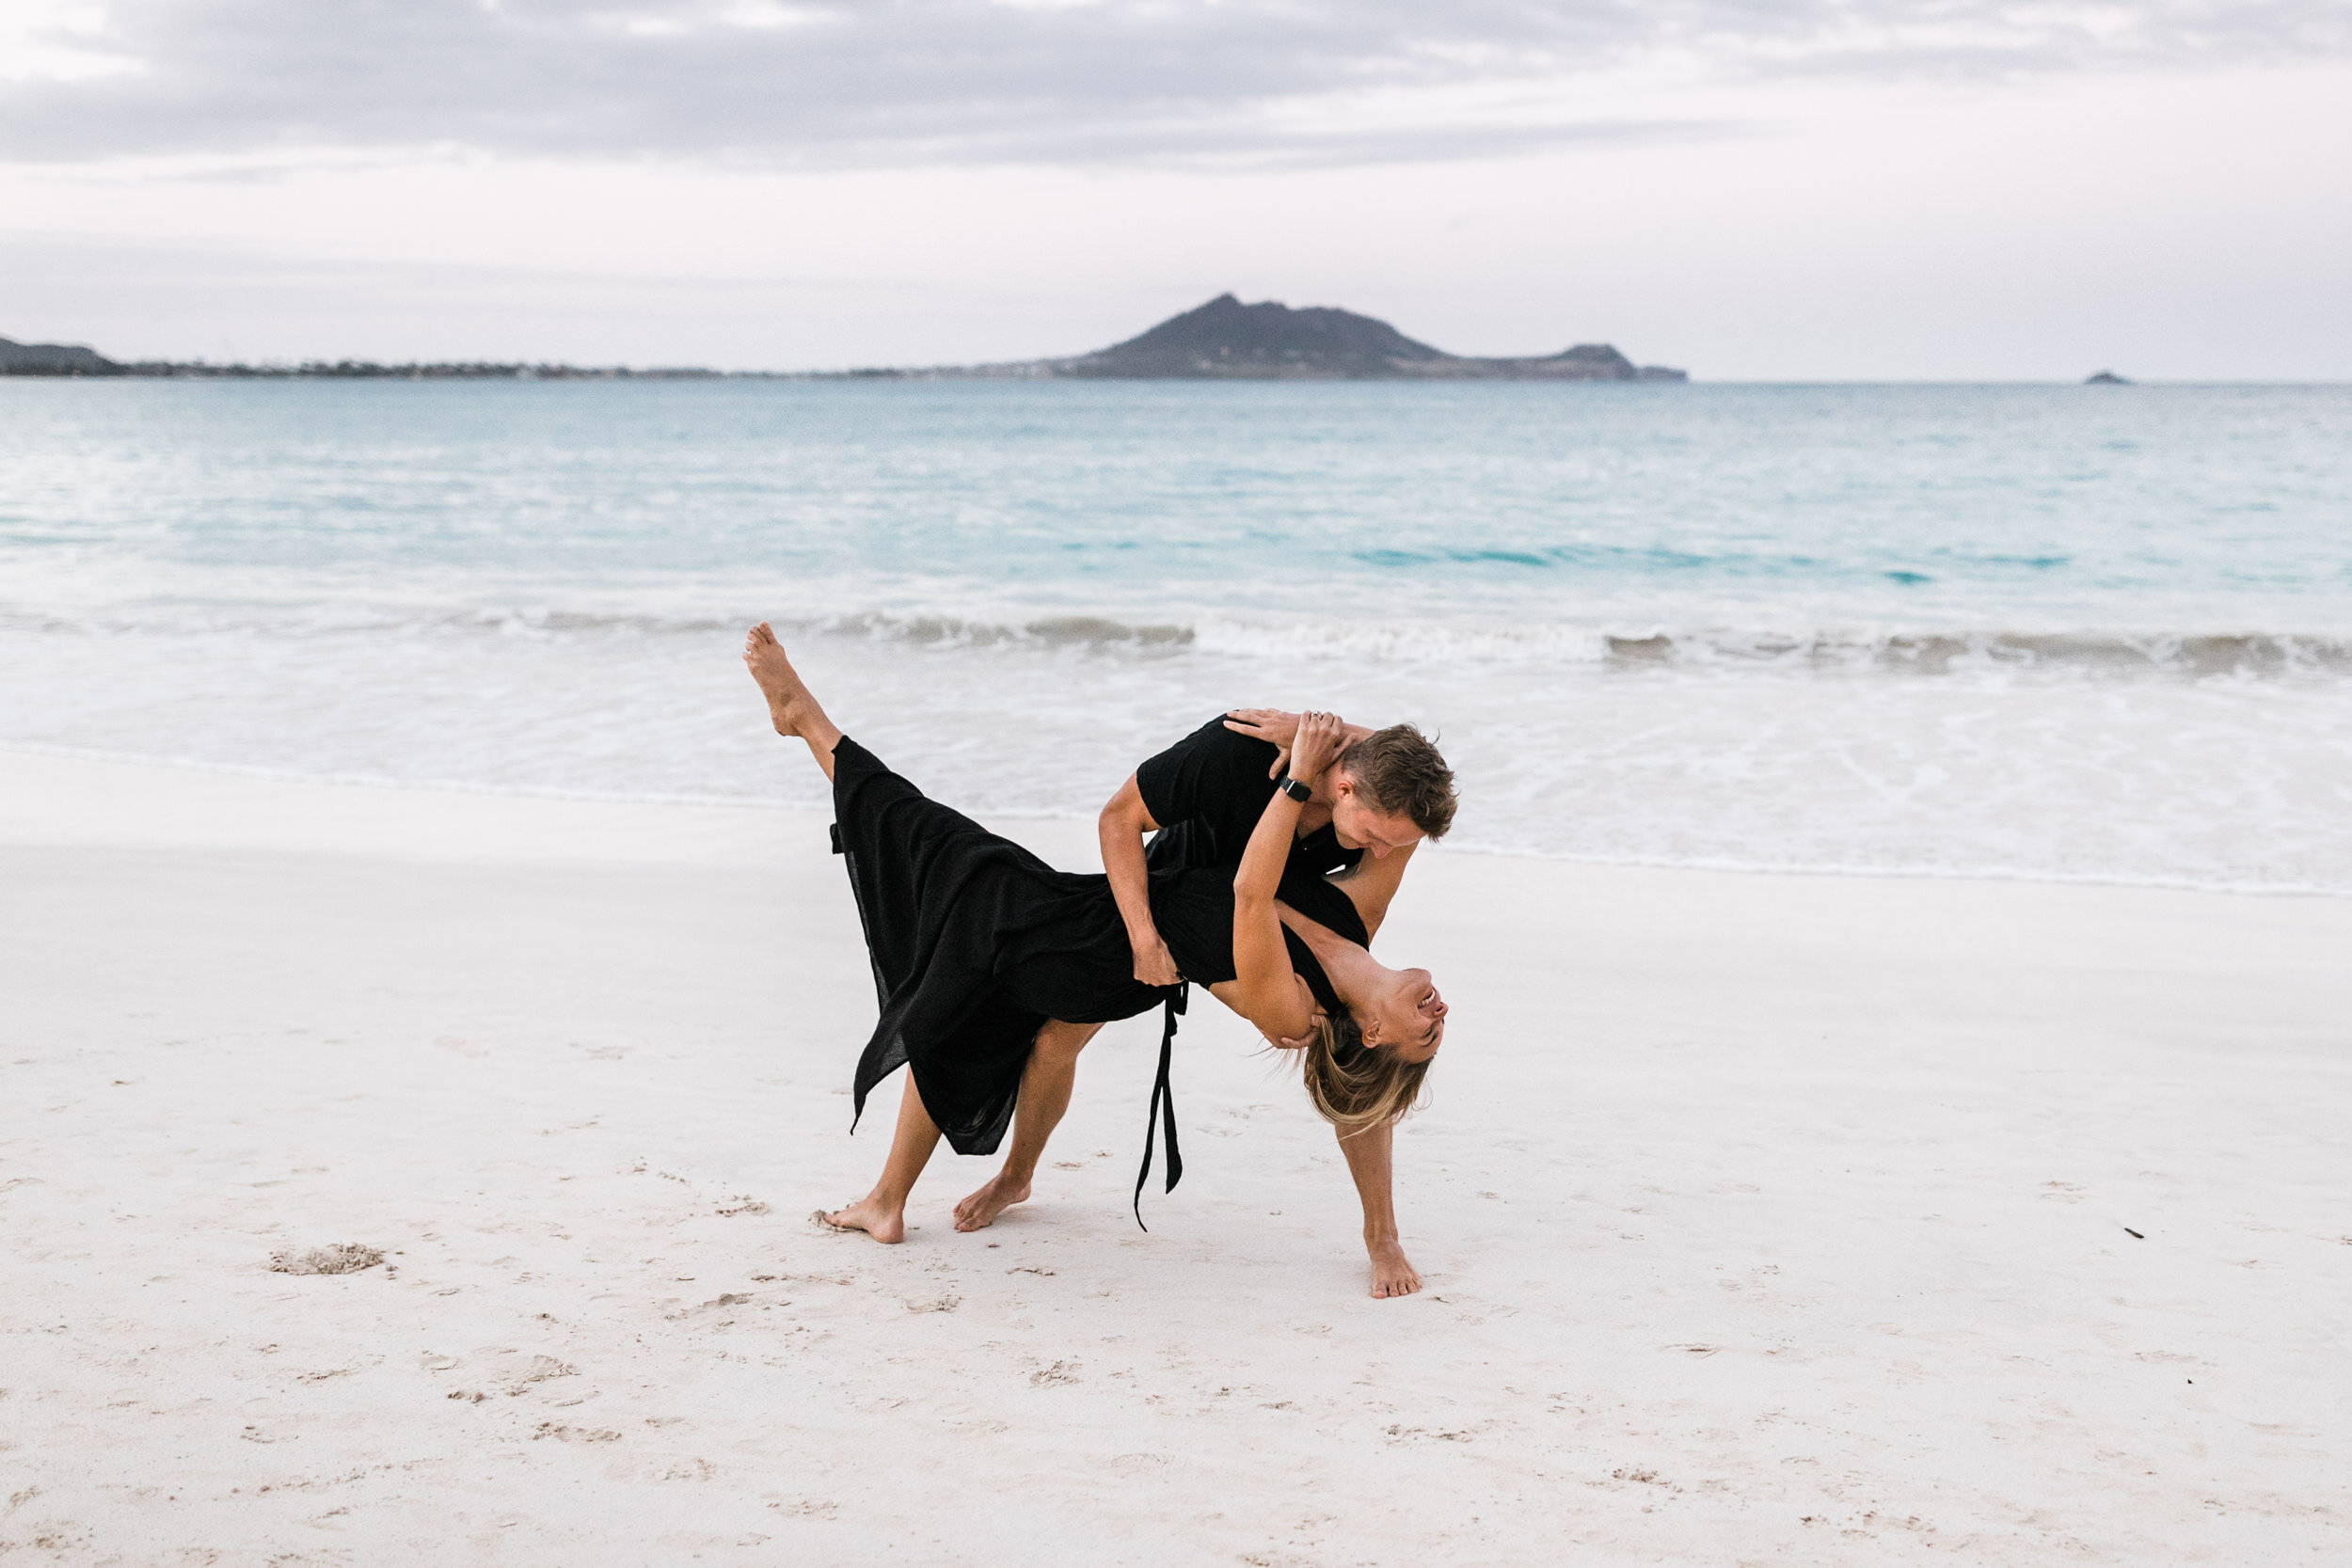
(1767, 189)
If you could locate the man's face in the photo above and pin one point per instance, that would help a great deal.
(1360, 825)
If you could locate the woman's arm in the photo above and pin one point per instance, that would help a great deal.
(1266, 990)
(1120, 829)
(1371, 1162)
(1277, 727)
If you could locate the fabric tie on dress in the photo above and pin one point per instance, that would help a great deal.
(1163, 1110)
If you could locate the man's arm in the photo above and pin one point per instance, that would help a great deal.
(1121, 826)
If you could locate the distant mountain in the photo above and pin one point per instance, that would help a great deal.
(2106, 378)
(53, 359)
(1226, 339)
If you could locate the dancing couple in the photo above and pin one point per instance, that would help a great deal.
(1279, 841)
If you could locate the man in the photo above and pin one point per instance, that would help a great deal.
(1201, 798)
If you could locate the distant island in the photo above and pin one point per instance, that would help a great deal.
(1222, 340)
(1228, 340)
(2106, 378)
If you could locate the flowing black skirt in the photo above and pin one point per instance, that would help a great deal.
(976, 943)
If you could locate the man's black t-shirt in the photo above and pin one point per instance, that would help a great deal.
(1207, 792)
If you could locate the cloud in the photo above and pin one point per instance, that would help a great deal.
(866, 83)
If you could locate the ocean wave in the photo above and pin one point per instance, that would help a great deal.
(1496, 640)
(1052, 632)
(1660, 560)
(333, 618)
(2190, 653)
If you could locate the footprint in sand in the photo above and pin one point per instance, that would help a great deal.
(575, 1434)
(341, 1257)
(499, 1369)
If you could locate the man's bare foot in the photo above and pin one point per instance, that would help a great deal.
(789, 701)
(979, 1211)
(1391, 1276)
(869, 1215)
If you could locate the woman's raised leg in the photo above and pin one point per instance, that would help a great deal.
(883, 1212)
(790, 702)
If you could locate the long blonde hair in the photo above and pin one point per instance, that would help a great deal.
(1354, 1087)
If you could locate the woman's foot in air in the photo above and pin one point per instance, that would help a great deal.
(979, 1211)
(789, 702)
(1391, 1276)
(881, 1221)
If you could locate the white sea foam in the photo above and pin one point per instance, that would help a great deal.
(2075, 770)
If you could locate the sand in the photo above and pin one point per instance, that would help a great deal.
(1765, 1219)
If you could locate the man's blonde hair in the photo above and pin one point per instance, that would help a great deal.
(1402, 774)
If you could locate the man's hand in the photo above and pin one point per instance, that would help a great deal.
(1157, 966)
(1266, 724)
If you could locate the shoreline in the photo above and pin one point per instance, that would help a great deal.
(719, 803)
(1843, 1220)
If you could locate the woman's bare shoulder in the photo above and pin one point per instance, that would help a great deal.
(1289, 1015)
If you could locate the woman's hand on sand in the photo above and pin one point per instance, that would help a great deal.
(1321, 737)
(1157, 966)
(1269, 724)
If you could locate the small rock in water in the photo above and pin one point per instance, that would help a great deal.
(342, 1257)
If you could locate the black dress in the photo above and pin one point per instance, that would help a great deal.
(975, 944)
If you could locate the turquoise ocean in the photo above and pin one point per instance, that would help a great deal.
(2077, 633)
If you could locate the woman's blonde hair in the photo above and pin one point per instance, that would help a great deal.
(1354, 1087)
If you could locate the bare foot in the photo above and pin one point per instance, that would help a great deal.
(789, 701)
(866, 1215)
(1391, 1276)
(979, 1211)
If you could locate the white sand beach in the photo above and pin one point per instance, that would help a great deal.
(1765, 1219)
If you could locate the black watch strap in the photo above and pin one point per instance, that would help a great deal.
(1297, 791)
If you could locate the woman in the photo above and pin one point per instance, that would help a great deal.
(977, 945)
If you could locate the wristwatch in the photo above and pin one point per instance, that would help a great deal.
(1297, 791)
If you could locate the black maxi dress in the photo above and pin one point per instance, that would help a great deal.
(975, 944)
